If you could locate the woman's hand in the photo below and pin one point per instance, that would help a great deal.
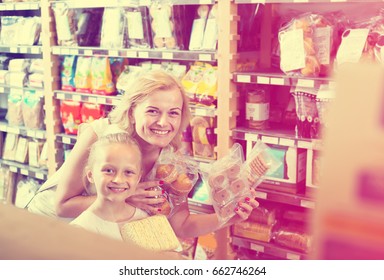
(146, 196)
(244, 208)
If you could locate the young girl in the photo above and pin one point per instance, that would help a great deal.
(114, 169)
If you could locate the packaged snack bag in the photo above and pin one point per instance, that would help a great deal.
(101, 75)
(32, 109)
(83, 78)
(198, 27)
(70, 116)
(65, 25)
(112, 29)
(138, 28)
(68, 70)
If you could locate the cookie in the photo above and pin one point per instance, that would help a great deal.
(221, 196)
(182, 185)
(166, 172)
(232, 172)
(237, 186)
(216, 181)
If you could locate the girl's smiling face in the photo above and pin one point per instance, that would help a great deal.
(157, 119)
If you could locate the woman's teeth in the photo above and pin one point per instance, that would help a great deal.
(160, 132)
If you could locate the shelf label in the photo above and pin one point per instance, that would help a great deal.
(263, 80)
(24, 171)
(31, 133)
(300, 1)
(251, 137)
(243, 78)
(101, 100)
(23, 50)
(304, 144)
(60, 96)
(17, 91)
(35, 50)
(92, 99)
(270, 140)
(307, 204)
(203, 112)
(73, 52)
(143, 55)
(115, 101)
(64, 51)
(257, 247)
(40, 134)
(205, 57)
(66, 140)
(305, 83)
(14, 50)
(287, 142)
(261, 195)
(88, 52)
(34, 6)
(277, 81)
(40, 176)
(167, 55)
(291, 256)
(113, 53)
(56, 51)
(13, 169)
(132, 54)
(14, 130)
(9, 7)
(3, 127)
(19, 6)
(76, 97)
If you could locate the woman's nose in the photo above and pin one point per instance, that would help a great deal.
(163, 119)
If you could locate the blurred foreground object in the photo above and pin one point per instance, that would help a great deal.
(349, 221)
(24, 236)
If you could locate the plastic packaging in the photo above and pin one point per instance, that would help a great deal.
(65, 25)
(26, 190)
(102, 76)
(83, 78)
(198, 27)
(138, 28)
(68, 71)
(211, 31)
(203, 137)
(112, 29)
(32, 110)
(15, 115)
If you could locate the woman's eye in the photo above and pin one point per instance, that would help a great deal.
(174, 113)
(152, 111)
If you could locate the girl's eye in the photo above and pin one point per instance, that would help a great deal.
(129, 172)
(108, 170)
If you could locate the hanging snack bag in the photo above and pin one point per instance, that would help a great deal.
(32, 108)
(89, 27)
(15, 115)
(68, 70)
(211, 31)
(203, 137)
(9, 30)
(260, 163)
(138, 27)
(227, 183)
(191, 81)
(117, 65)
(83, 78)
(65, 25)
(102, 76)
(112, 29)
(91, 112)
(70, 116)
(163, 26)
(198, 27)
(206, 92)
(29, 30)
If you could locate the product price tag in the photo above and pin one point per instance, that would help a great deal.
(35, 50)
(257, 247)
(76, 97)
(3, 127)
(66, 140)
(307, 204)
(167, 55)
(1, 89)
(205, 57)
(34, 6)
(305, 83)
(19, 6)
(40, 176)
(64, 52)
(261, 195)
(251, 137)
(291, 256)
(263, 80)
(14, 130)
(88, 52)
(300, 1)
(277, 81)
(115, 101)
(13, 169)
(113, 53)
(287, 142)
(304, 144)
(9, 7)
(23, 50)
(40, 134)
(270, 140)
(31, 133)
(243, 78)
(56, 51)
(92, 99)
(143, 55)
(24, 172)
(73, 52)
(101, 100)
(131, 54)
(60, 96)
(14, 49)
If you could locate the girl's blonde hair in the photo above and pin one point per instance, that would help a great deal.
(138, 91)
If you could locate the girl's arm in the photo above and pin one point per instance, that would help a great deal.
(187, 225)
(69, 199)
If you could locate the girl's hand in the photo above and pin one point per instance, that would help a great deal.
(146, 196)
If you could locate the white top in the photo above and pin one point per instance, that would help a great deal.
(91, 222)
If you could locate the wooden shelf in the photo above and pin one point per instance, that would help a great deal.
(21, 49)
(25, 169)
(277, 137)
(270, 77)
(268, 248)
(9, 89)
(137, 53)
(22, 130)
(19, 6)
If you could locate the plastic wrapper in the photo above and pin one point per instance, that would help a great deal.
(66, 25)
(9, 30)
(112, 29)
(36, 66)
(179, 172)
(165, 25)
(90, 112)
(70, 112)
(263, 215)
(225, 178)
(4, 61)
(186, 142)
(260, 163)
(198, 27)
(102, 76)
(211, 31)
(4, 77)
(191, 81)
(18, 79)
(164, 208)
(203, 137)
(26, 189)
(253, 230)
(126, 78)
(32, 110)
(305, 44)
(34, 151)
(206, 92)
(307, 114)
(138, 28)
(22, 150)
(83, 77)
(292, 238)
(15, 115)
(68, 71)
(29, 30)
(10, 146)
(117, 65)
(89, 27)
(19, 65)
(36, 80)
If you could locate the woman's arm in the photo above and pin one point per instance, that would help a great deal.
(69, 199)
(187, 225)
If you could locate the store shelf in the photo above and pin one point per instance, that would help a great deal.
(276, 137)
(199, 207)
(21, 130)
(121, 3)
(299, 1)
(137, 53)
(87, 97)
(267, 248)
(21, 49)
(9, 89)
(25, 169)
(19, 6)
(66, 139)
(271, 77)
(202, 111)
(286, 198)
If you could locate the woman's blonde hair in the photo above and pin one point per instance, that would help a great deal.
(138, 90)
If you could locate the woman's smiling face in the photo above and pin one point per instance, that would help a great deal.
(157, 119)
